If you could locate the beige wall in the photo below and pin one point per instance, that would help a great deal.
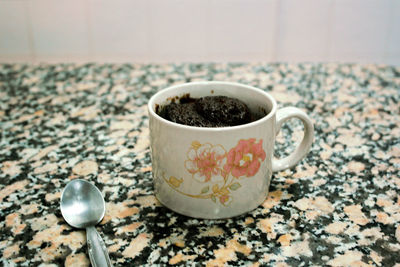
(366, 31)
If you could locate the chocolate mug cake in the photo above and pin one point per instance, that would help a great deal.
(208, 111)
(209, 172)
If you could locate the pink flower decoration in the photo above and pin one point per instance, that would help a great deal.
(224, 199)
(245, 159)
(205, 162)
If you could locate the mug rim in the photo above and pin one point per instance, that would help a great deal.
(152, 112)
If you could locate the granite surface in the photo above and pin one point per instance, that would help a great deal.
(340, 206)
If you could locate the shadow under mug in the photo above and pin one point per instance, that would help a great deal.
(215, 173)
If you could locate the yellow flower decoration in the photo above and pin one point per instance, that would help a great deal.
(175, 182)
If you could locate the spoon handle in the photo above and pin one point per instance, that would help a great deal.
(97, 249)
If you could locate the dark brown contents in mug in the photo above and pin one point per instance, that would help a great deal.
(209, 111)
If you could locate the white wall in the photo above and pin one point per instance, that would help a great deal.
(366, 31)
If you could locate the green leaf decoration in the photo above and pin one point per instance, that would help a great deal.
(205, 189)
(235, 186)
(213, 199)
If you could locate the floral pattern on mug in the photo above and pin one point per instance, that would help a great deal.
(205, 162)
(245, 158)
(219, 170)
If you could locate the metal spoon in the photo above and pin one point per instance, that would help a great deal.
(82, 206)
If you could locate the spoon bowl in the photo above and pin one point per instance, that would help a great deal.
(83, 206)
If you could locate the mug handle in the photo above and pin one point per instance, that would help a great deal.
(302, 149)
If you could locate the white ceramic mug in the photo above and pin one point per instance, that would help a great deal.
(215, 173)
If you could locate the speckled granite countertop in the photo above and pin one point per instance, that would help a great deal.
(340, 206)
